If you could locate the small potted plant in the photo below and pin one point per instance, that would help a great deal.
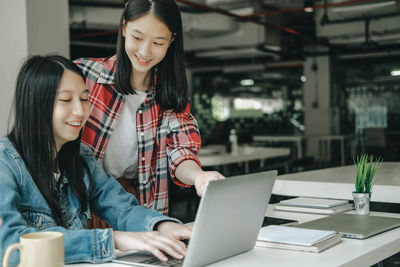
(367, 166)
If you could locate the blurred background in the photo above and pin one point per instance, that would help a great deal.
(324, 70)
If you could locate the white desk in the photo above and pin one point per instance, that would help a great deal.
(298, 139)
(216, 155)
(339, 183)
(350, 252)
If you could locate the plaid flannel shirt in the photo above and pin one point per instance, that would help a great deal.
(164, 139)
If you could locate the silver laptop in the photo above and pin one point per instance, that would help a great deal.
(227, 222)
(352, 225)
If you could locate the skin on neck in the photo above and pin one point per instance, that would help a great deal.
(139, 80)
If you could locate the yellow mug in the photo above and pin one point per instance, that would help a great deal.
(44, 249)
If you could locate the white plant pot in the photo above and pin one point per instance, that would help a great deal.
(361, 202)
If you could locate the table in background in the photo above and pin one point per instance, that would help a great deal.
(338, 183)
(216, 155)
(297, 139)
(351, 252)
(324, 146)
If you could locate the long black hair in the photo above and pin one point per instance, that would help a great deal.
(32, 134)
(171, 85)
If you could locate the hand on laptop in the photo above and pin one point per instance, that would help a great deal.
(189, 172)
(155, 242)
(201, 180)
(174, 230)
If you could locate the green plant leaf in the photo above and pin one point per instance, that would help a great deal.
(366, 170)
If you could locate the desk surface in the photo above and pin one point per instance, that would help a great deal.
(339, 183)
(279, 138)
(350, 252)
(245, 153)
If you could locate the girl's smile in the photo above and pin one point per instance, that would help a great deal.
(142, 61)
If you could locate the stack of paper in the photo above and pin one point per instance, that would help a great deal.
(314, 205)
(286, 237)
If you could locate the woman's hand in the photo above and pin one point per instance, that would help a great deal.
(174, 230)
(155, 242)
(201, 179)
(189, 172)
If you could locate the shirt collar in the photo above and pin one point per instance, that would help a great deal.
(105, 78)
(107, 73)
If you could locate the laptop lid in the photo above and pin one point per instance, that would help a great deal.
(228, 219)
(352, 225)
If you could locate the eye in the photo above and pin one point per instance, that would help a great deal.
(84, 99)
(136, 38)
(158, 44)
(64, 100)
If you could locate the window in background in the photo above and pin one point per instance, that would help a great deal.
(257, 103)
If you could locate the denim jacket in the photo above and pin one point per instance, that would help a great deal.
(25, 210)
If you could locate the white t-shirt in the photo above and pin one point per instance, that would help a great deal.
(121, 156)
(57, 175)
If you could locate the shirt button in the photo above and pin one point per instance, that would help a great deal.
(143, 158)
(140, 111)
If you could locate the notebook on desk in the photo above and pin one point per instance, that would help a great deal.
(352, 225)
(227, 222)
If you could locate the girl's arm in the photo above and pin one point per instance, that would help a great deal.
(189, 172)
(148, 229)
(82, 245)
(183, 145)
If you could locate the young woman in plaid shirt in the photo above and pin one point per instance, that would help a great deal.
(140, 125)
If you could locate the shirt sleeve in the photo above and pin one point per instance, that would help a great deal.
(94, 246)
(183, 141)
(117, 207)
(81, 245)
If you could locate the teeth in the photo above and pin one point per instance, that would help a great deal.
(143, 60)
(74, 123)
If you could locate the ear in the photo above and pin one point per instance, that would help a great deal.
(172, 39)
(123, 29)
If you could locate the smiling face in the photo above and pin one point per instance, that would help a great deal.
(71, 108)
(146, 42)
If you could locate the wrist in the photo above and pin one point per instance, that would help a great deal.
(197, 176)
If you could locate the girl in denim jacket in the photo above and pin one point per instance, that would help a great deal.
(50, 181)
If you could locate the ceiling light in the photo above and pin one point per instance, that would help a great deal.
(309, 6)
(395, 73)
(247, 82)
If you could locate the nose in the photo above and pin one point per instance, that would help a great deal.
(78, 108)
(145, 49)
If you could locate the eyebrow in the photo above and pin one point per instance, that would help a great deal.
(71, 91)
(158, 37)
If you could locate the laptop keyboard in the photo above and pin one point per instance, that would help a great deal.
(171, 260)
(155, 261)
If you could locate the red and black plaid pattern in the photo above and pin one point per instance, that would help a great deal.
(165, 139)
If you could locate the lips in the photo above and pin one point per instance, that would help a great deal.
(141, 61)
(74, 124)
